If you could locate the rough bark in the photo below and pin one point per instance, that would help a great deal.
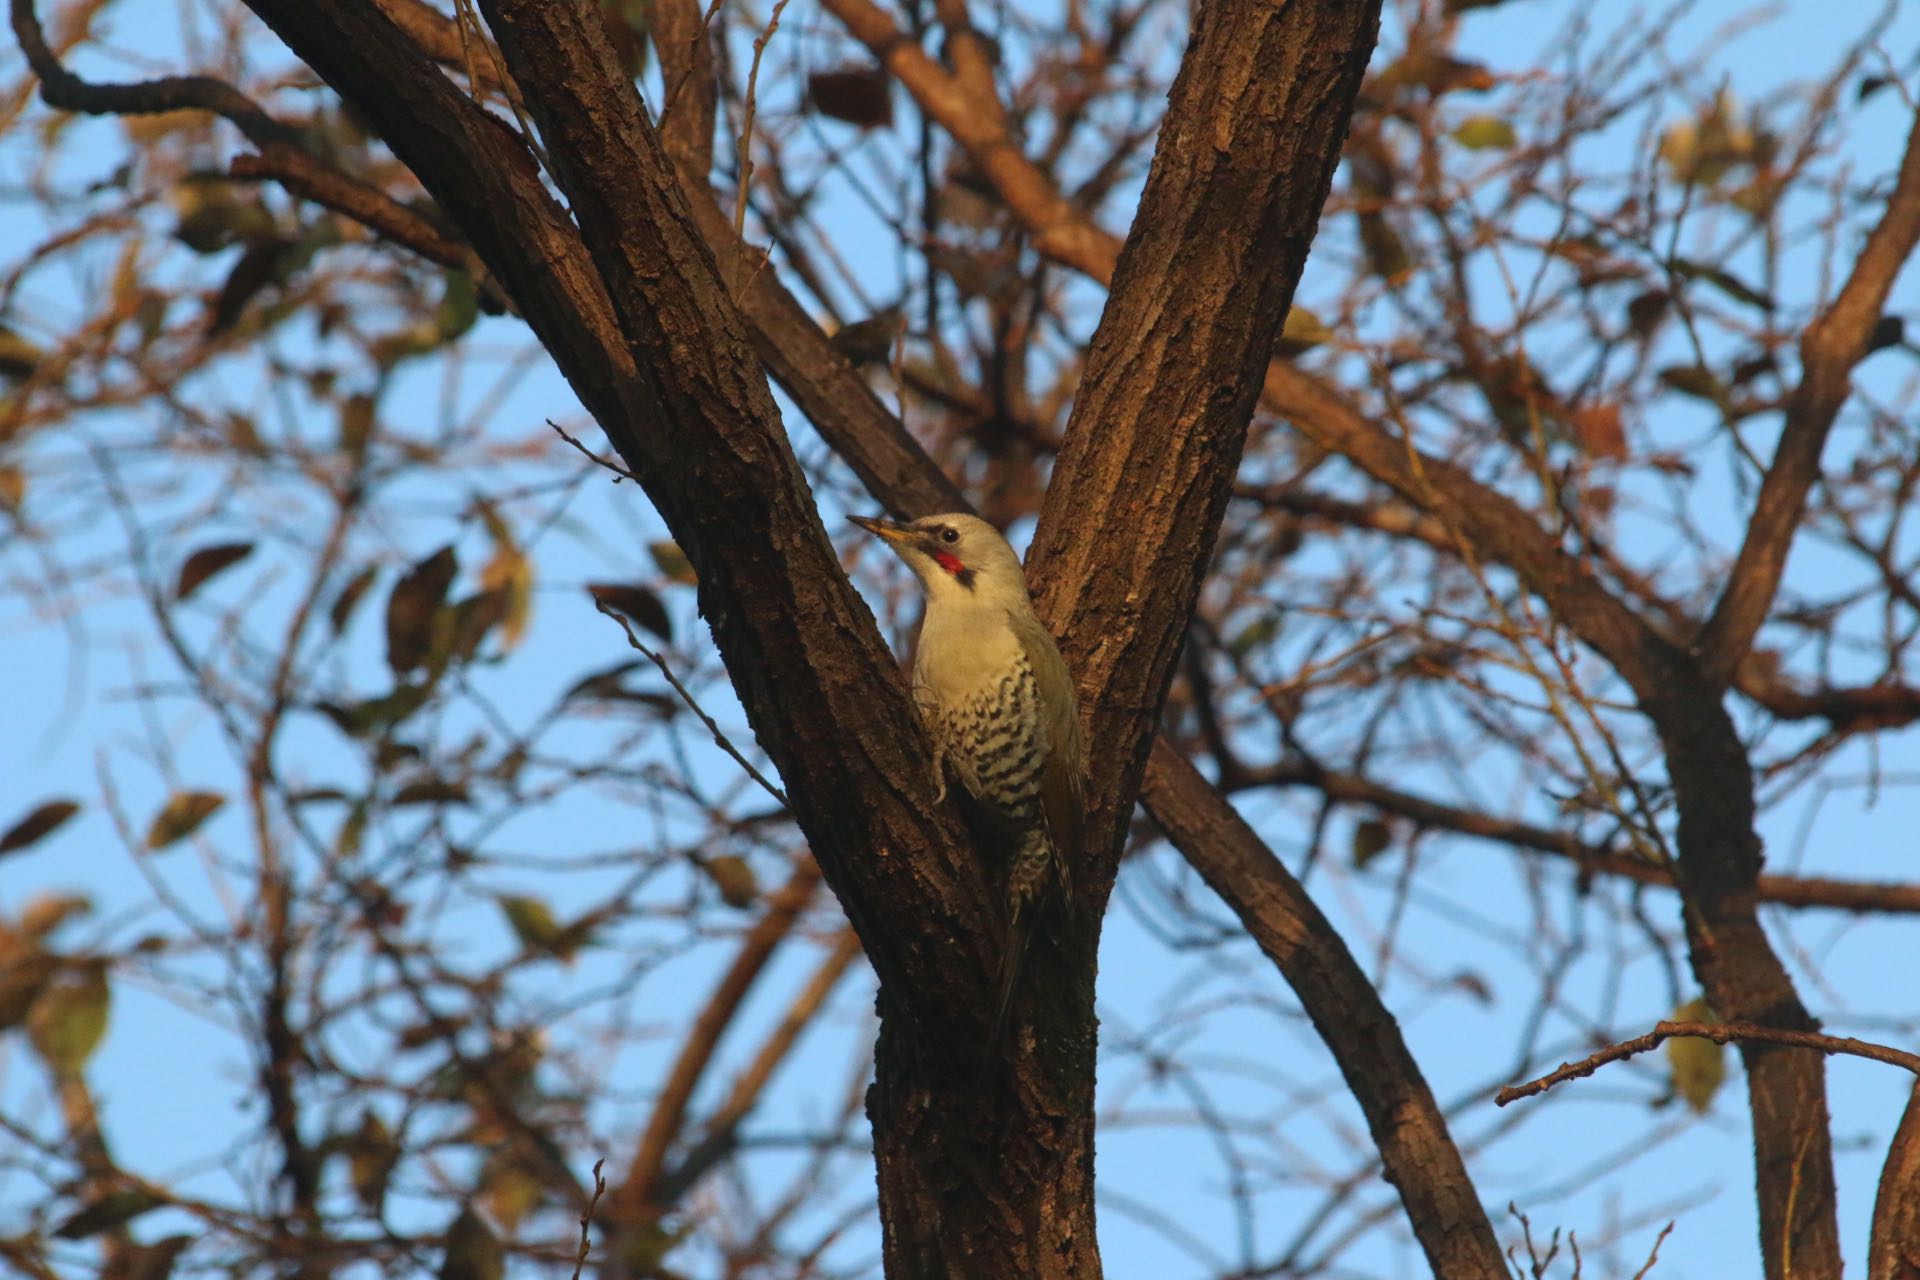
(686, 67)
(1246, 156)
(1678, 689)
(657, 356)
(1253, 131)
(1895, 1251)
(682, 399)
(1417, 1153)
(981, 1172)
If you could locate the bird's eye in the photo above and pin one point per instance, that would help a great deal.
(949, 534)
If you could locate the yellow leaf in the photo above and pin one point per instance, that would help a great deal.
(145, 130)
(1484, 133)
(1696, 381)
(69, 1018)
(734, 878)
(1698, 1066)
(1259, 632)
(182, 816)
(510, 574)
(531, 919)
(1387, 254)
(673, 562)
(1302, 331)
(114, 1209)
(459, 306)
(509, 1191)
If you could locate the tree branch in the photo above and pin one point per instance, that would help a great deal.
(1833, 344)
(1719, 1033)
(1844, 708)
(299, 172)
(637, 1199)
(1712, 775)
(1418, 1153)
(1885, 896)
(686, 67)
(977, 122)
(721, 1132)
(669, 379)
(440, 38)
(68, 92)
(1248, 147)
(1415, 1148)
(897, 471)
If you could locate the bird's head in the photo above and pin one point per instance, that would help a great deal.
(956, 557)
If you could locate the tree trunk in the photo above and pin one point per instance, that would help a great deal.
(985, 1166)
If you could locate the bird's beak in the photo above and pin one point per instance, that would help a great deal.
(887, 530)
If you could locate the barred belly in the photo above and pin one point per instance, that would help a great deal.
(994, 742)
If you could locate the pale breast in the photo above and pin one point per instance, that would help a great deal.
(990, 730)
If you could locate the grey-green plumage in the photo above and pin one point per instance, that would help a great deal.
(1000, 712)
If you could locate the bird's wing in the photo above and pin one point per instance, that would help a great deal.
(1060, 786)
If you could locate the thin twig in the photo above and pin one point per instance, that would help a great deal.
(639, 1198)
(680, 83)
(746, 120)
(1654, 1256)
(463, 21)
(720, 739)
(586, 1215)
(1719, 1033)
(620, 472)
(722, 1129)
(463, 15)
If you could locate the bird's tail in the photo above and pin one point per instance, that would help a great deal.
(1025, 881)
(1019, 930)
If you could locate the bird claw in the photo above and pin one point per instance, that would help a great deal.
(939, 777)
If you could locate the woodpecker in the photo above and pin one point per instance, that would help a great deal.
(999, 710)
